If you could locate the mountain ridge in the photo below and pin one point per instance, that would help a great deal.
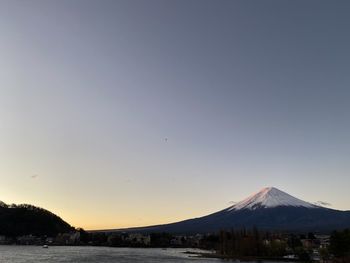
(25, 219)
(270, 197)
(268, 209)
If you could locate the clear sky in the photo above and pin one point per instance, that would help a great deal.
(131, 113)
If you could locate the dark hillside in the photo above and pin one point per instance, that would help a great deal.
(18, 220)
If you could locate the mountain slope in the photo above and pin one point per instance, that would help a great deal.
(269, 209)
(18, 220)
(270, 197)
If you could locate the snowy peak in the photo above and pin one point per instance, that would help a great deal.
(270, 197)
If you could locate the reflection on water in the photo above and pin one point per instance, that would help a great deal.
(36, 254)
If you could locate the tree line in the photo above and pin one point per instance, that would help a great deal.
(262, 244)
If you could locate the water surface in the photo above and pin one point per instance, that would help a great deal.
(37, 254)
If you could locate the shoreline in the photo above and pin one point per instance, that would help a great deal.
(253, 259)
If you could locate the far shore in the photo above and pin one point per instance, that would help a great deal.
(255, 259)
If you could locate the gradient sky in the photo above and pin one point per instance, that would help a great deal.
(130, 113)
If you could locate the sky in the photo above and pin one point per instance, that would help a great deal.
(132, 113)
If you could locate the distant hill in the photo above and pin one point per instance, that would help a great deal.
(18, 220)
(268, 209)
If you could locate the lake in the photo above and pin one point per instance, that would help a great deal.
(37, 254)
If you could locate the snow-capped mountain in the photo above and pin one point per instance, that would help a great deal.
(269, 209)
(270, 197)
